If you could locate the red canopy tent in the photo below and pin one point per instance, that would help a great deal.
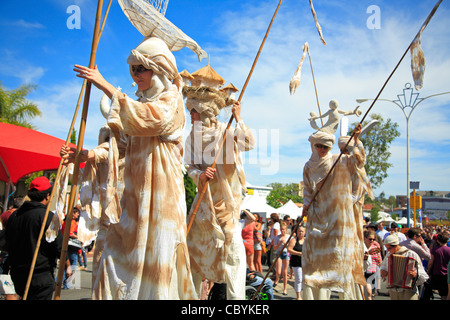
(24, 151)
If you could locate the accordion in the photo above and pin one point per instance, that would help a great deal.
(399, 267)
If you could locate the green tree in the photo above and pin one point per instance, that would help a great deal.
(50, 175)
(391, 202)
(15, 108)
(376, 145)
(374, 215)
(282, 193)
(73, 136)
(190, 190)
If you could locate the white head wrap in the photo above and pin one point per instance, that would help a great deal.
(154, 55)
(319, 167)
(322, 138)
(342, 142)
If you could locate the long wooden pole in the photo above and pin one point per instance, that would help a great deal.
(351, 137)
(205, 186)
(73, 192)
(58, 173)
(315, 87)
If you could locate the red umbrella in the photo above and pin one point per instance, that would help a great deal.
(24, 151)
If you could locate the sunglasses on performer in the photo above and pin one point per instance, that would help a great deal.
(138, 69)
(321, 146)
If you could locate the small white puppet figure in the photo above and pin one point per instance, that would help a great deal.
(333, 117)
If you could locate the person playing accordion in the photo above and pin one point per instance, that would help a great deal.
(403, 270)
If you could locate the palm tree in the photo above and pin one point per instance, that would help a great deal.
(15, 108)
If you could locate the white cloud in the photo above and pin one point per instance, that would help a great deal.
(24, 24)
(58, 104)
(11, 65)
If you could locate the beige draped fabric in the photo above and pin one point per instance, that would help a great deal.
(417, 55)
(145, 255)
(417, 63)
(331, 246)
(213, 241)
(296, 78)
(319, 28)
(94, 221)
(360, 186)
(60, 210)
(149, 22)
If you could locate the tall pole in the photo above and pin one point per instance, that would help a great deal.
(409, 100)
(408, 197)
(63, 256)
(414, 206)
(58, 173)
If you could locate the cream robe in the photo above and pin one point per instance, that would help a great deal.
(215, 242)
(94, 222)
(360, 186)
(145, 255)
(332, 245)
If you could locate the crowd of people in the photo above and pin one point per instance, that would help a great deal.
(24, 218)
(428, 245)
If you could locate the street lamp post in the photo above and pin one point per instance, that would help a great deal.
(407, 102)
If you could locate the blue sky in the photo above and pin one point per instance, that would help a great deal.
(37, 47)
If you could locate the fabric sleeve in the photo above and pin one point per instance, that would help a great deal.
(422, 274)
(162, 116)
(101, 152)
(307, 190)
(358, 158)
(194, 172)
(244, 137)
(423, 251)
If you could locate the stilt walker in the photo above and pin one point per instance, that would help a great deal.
(145, 254)
(215, 243)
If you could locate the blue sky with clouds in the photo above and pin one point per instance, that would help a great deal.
(36, 46)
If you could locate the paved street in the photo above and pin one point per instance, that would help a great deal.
(83, 287)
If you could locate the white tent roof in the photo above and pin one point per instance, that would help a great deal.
(403, 220)
(291, 209)
(257, 204)
(386, 219)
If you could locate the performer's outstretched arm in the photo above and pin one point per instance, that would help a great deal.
(94, 76)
